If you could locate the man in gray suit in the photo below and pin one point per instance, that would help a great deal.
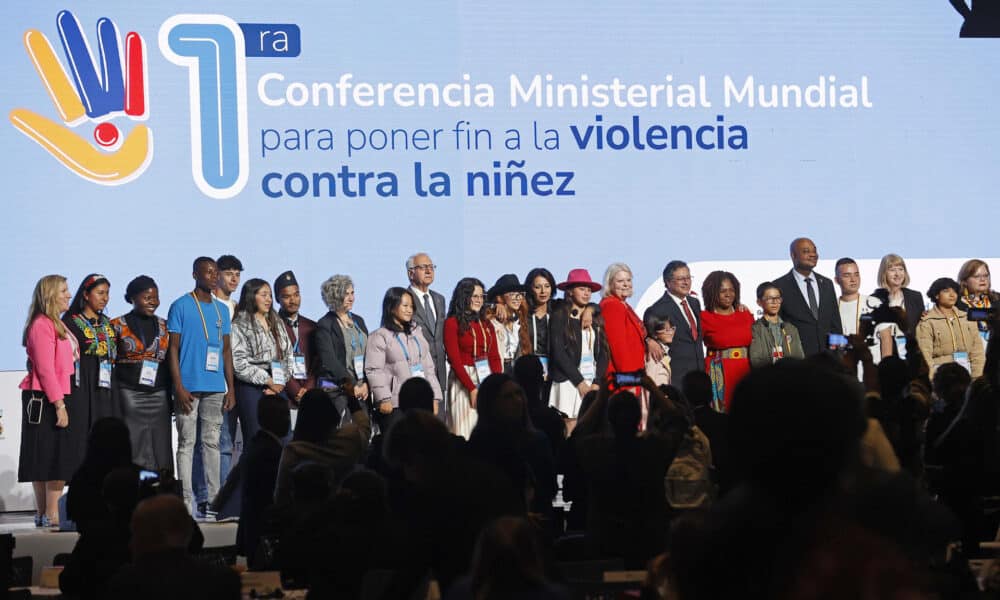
(429, 313)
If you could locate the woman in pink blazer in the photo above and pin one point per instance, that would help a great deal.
(51, 446)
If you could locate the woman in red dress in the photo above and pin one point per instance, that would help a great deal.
(623, 328)
(727, 336)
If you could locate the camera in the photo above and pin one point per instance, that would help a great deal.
(628, 379)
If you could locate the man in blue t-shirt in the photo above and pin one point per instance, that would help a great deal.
(201, 361)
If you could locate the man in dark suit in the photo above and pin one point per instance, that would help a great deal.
(808, 299)
(161, 567)
(429, 311)
(300, 330)
(684, 312)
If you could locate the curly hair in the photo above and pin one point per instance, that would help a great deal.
(461, 300)
(334, 291)
(712, 285)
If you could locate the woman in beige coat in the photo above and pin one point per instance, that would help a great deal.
(945, 334)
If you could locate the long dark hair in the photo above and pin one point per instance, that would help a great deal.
(529, 286)
(574, 325)
(461, 299)
(713, 284)
(317, 417)
(393, 298)
(89, 282)
(247, 307)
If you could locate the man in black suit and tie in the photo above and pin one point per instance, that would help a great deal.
(809, 301)
(429, 311)
(684, 312)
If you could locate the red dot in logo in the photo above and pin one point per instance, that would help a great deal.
(106, 134)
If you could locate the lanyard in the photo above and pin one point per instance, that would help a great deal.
(951, 330)
(356, 339)
(420, 352)
(588, 339)
(204, 325)
(475, 341)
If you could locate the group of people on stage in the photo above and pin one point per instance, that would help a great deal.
(214, 357)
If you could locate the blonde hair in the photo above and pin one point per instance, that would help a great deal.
(45, 302)
(891, 260)
(609, 275)
(969, 267)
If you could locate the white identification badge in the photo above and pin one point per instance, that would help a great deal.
(417, 371)
(212, 359)
(359, 366)
(299, 367)
(962, 358)
(545, 367)
(278, 373)
(588, 369)
(147, 376)
(76, 373)
(482, 369)
(104, 378)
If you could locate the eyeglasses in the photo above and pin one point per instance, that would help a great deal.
(424, 267)
(772, 299)
(980, 276)
(516, 295)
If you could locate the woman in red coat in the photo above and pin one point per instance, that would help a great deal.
(622, 327)
(470, 343)
(727, 335)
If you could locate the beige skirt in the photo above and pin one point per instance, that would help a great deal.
(463, 416)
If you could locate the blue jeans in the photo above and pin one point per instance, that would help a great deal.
(226, 437)
(206, 413)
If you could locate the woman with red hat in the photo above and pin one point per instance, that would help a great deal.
(578, 347)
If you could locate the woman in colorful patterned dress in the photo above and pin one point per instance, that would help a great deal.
(92, 329)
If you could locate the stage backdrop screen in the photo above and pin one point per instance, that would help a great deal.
(341, 137)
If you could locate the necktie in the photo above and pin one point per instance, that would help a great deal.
(690, 319)
(813, 306)
(430, 312)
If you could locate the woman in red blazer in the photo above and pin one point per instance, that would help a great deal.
(623, 328)
(470, 343)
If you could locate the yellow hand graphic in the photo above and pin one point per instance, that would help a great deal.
(72, 150)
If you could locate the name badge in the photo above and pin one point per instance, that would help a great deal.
(962, 358)
(901, 346)
(299, 367)
(417, 371)
(76, 373)
(104, 377)
(588, 369)
(545, 367)
(482, 369)
(147, 376)
(777, 354)
(359, 366)
(278, 373)
(212, 359)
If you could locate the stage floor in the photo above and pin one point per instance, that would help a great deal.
(44, 544)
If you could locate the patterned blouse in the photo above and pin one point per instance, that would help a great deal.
(98, 338)
(131, 348)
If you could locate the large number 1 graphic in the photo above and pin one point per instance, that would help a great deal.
(212, 49)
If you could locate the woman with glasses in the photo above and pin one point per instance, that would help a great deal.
(506, 311)
(726, 332)
(893, 279)
(773, 338)
(471, 346)
(974, 279)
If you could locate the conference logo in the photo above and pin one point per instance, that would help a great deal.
(95, 92)
(98, 90)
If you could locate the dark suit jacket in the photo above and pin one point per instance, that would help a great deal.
(306, 329)
(173, 574)
(686, 353)
(565, 355)
(328, 342)
(434, 335)
(795, 309)
(913, 304)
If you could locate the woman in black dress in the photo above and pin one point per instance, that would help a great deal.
(95, 336)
